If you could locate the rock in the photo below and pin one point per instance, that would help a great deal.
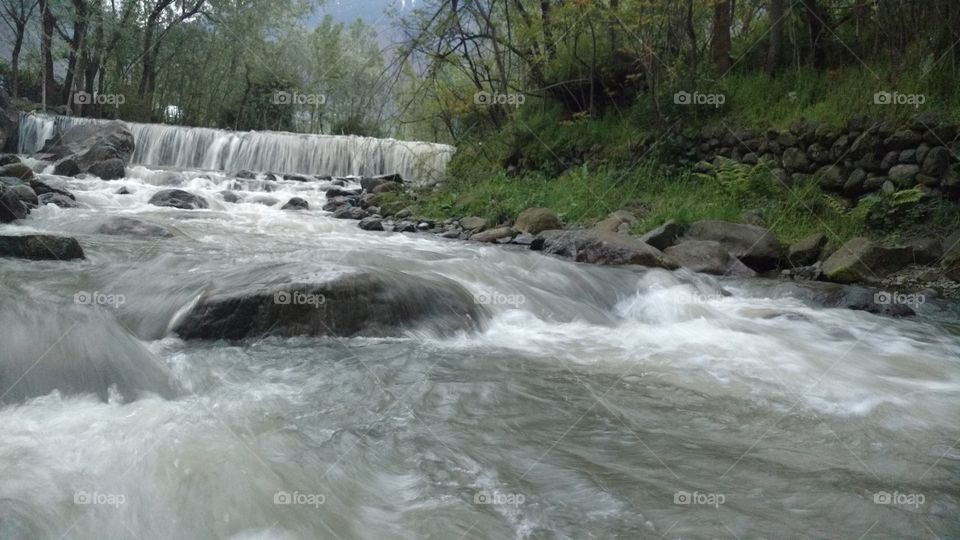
(368, 304)
(7, 159)
(370, 183)
(536, 220)
(67, 167)
(863, 260)
(296, 203)
(392, 208)
(888, 187)
(794, 160)
(122, 191)
(755, 246)
(909, 156)
(405, 227)
(902, 140)
(708, 257)
(599, 247)
(124, 226)
(87, 144)
(831, 177)
(11, 208)
(926, 250)
(891, 159)
(337, 192)
(17, 170)
(388, 187)
(230, 197)
(371, 223)
(665, 235)
(617, 222)
(296, 178)
(350, 212)
(473, 223)
(752, 217)
(936, 162)
(855, 183)
(492, 235)
(41, 188)
(246, 175)
(25, 195)
(904, 175)
(177, 198)
(833, 295)
(524, 239)
(40, 247)
(109, 169)
(58, 199)
(807, 251)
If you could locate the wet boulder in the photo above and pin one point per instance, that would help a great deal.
(230, 197)
(598, 247)
(11, 208)
(755, 246)
(58, 199)
(67, 167)
(178, 198)
(537, 220)
(708, 257)
(40, 247)
(371, 223)
(108, 169)
(90, 143)
(350, 212)
(861, 259)
(124, 226)
(367, 304)
(17, 170)
(296, 203)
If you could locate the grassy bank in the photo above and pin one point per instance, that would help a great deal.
(586, 168)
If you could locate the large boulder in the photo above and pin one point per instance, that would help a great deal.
(708, 257)
(108, 169)
(755, 246)
(17, 170)
(90, 143)
(369, 304)
(473, 223)
(665, 235)
(807, 250)
(861, 259)
(40, 247)
(58, 199)
(177, 198)
(11, 208)
(537, 220)
(598, 247)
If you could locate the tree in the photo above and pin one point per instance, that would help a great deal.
(722, 44)
(18, 14)
(774, 52)
(47, 24)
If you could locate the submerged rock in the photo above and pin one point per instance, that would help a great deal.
(177, 198)
(58, 199)
(369, 304)
(108, 169)
(132, 227)
(39, 247)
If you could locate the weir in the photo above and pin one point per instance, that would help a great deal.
(160, 145)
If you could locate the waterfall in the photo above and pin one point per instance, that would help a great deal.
(159, 145)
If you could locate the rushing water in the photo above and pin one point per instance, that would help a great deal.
(594, 403)
(159, 145)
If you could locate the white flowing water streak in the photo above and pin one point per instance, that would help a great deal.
(160, 145)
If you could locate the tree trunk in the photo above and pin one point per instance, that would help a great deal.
(721, 44)
(15, 61)
(46, 41)
(774, 53)
(817, 22)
